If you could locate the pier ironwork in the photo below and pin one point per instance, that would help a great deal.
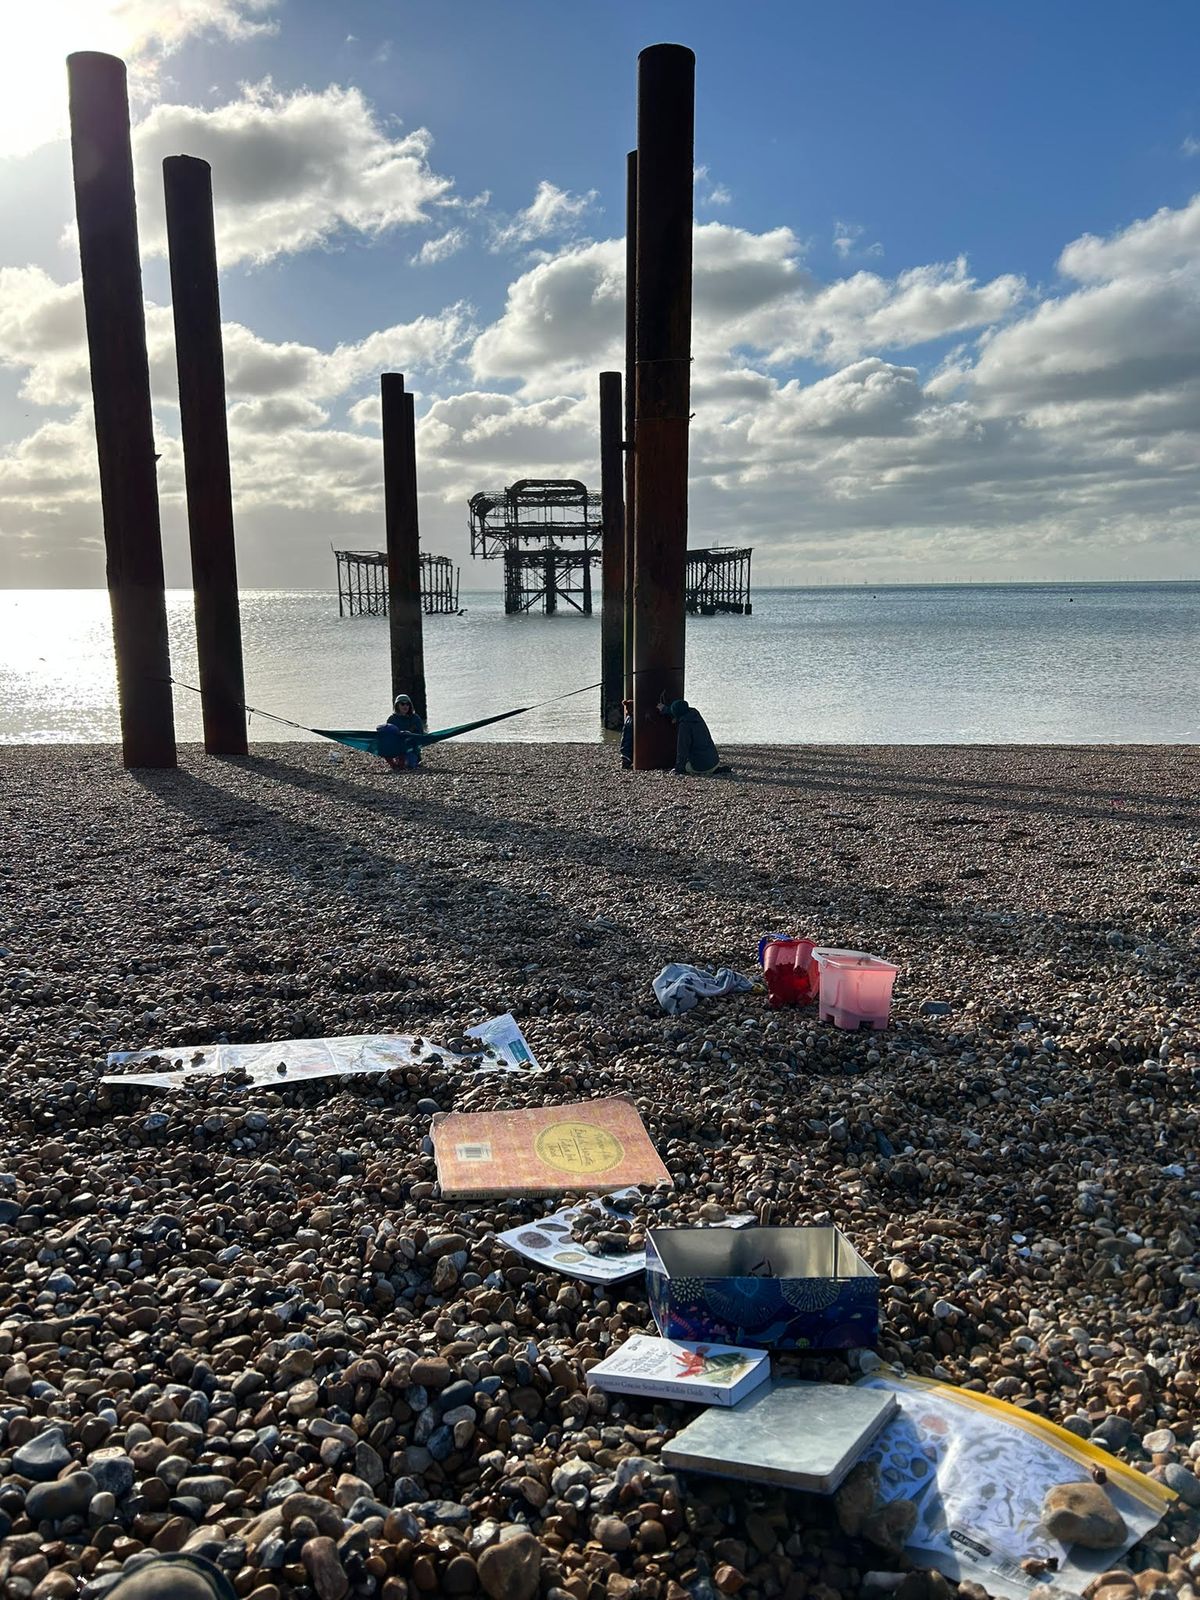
(718, 580)
(363, 585)
(547, 531)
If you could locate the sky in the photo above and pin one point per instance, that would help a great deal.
(946, 320)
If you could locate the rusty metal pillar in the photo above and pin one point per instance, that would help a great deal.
(630, 392)
(666, 113)
(612, 554)
(403, 541)
(116, 334)
(200, 360)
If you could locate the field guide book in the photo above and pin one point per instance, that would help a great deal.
(711, 1374)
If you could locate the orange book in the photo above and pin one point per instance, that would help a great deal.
(598, 1144)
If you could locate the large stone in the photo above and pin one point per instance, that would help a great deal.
(66, 1497)
(210, 1488)
(857, 1498)
(890, 1526)
(113, 1472)
(328, 1576)
(510, 1570)
(1081, 1513)
(43, 1458)
(322, 1513)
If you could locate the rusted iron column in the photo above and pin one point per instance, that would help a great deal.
(403, 541)
(612, 554)
(666, 111)
(630, 391)
(196, 306)
(116, 333)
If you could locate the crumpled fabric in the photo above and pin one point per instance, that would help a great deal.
(680, 987)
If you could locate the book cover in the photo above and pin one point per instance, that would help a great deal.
(711, 1374)
(544, 1150)
(798, 1435)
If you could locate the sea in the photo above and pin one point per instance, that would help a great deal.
(1093, 663)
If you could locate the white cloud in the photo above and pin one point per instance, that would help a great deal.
(289, 170)
(708, 191)
(1056, 438)
(1164, 241)
(846, 237)
(440, 249)
(144, 33)
(42, 337)
(1190, 146)
(551, 211)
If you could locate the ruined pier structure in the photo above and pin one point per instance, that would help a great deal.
(363, 585)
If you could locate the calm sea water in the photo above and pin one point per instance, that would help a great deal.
(994, 664)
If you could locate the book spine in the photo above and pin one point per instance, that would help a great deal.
(664, 1388)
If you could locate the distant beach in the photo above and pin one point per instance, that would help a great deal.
(979, 664)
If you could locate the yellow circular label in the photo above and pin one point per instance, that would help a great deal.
(578, 1147)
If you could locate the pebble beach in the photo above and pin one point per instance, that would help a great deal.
(245, 1323)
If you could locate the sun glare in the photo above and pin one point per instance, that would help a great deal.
(35, 42)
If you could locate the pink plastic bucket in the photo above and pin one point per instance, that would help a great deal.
(856, 988)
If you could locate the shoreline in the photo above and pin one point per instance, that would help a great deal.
(265, 1289)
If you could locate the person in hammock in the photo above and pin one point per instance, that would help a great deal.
(396, 750)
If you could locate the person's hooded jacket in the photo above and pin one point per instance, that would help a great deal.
(694, 745)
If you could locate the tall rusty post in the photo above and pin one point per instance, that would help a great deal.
(666, 113)
(116, 332)
(612, 553)
(200, 359)
(403, 541)
(630, 393)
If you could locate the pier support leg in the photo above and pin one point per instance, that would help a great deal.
(630, 392)
(116, 334)
(612, 554)
(199, 357)
(666, 112)
(401, 521)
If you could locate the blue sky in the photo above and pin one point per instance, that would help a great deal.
(909, 356)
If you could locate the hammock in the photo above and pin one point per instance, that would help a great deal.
(356, 739)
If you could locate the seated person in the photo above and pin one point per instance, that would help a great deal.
(695, 751)
(395, 749)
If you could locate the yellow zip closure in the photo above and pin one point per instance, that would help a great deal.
(1154, 1496)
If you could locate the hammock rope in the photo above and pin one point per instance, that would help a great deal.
(367, 740)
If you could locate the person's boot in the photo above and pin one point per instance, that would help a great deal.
(171, 1577)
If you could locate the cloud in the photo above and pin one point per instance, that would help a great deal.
(1167, 240)
(552, 211)
(1190, 146)
(564, 317)
(42, 336)
(708, 191)
(144, 33)
(290, 171)
(834, 419)
(440, 249)
(846, 236)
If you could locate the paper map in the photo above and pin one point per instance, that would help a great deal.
(304, 1059)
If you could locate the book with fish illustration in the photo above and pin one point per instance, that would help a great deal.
(712, 1374)
(544, 1150)
(797, 1435)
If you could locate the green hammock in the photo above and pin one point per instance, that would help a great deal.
(368, 742)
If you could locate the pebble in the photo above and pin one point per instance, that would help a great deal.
(43, 1457)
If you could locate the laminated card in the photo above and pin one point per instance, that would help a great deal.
(797, 1435)
(544, 1150)
(711, 1374)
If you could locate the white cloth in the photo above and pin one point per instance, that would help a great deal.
(679, 987)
